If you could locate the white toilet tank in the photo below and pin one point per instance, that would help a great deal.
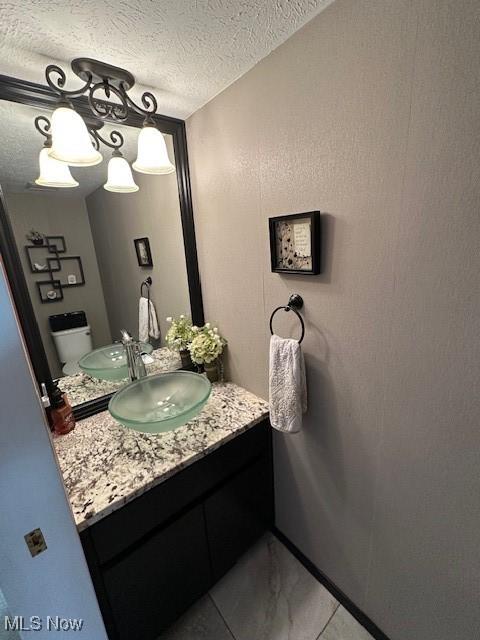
(72, 344)
(72, 337)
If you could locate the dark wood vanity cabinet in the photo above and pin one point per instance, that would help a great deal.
(143, 587)
(154, 557)
(237, 514)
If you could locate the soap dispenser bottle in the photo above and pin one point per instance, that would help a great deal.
(61, 413)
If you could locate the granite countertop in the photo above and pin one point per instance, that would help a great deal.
(105, 465)
(81, 388)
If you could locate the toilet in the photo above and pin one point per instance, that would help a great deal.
(72, 337)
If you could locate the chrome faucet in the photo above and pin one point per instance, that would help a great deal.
(136, 366)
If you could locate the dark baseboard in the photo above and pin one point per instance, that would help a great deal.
(337, 593)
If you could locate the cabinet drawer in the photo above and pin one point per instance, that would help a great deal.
(151, 586)
(123, 528)
(238, 513)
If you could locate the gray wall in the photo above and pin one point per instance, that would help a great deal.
(55, 214)
(371, 113)
(116, 219)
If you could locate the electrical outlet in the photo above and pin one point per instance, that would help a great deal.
(35, 542)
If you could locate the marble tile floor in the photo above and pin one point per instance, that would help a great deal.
(267, 595)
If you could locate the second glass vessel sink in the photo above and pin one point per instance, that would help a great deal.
(161, 402)
(108, 363)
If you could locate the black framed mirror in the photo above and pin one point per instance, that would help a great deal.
(47, 272)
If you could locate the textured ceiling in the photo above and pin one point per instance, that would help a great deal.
(21, 144)
(188, 50)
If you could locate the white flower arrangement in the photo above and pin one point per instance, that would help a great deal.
(207, 344)
(180, 334)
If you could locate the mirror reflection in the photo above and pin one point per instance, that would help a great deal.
(102, 254)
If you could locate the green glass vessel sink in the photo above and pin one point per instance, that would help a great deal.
(108, 363)
(161, 402)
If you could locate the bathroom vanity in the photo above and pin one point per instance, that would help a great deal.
(162, 518)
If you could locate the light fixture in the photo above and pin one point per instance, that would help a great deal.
(152, 157)
(52, 172)
(120, 179)
(57, 174)
(71, 141)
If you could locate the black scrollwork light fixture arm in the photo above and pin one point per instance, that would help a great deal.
(149, 102)
(58, 86)
(116, 139)
(103, 110)
(43, 126)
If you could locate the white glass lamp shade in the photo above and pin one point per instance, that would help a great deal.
(71, 141)
(152, 154)
(120, 179)
(53, 173)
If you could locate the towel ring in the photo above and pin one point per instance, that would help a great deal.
(146, 283)
(295, 302)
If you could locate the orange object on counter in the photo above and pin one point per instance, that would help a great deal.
(61, 415)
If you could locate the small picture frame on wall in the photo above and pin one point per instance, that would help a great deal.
(295, 243)
(144, 255)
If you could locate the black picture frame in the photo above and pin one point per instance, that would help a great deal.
(59, 259)
(144, 254)
(289, 263)
(41, 96)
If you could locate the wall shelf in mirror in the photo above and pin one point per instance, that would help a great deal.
(40, 261)
(38, 256)
(49, 291)
(56, 244)
(71, 279)
(99, 226)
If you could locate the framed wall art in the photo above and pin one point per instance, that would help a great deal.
(144, 255)
(295, 243)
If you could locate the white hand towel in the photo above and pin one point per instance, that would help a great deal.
(147, 328)
(288, 387)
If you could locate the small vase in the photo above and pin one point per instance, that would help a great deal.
(211, 369)
(186, 359)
